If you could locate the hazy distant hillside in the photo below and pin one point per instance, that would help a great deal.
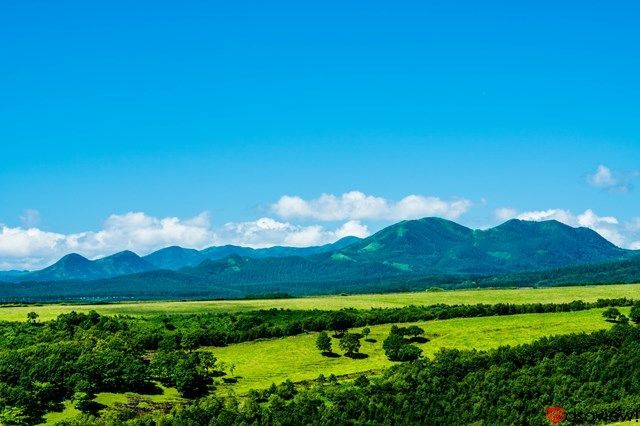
(76, 267)
(175, 258)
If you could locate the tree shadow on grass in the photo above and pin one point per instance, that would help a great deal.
(371, 340)
(331, 354)
(150, 388)
(230, 379)
(418, 339)
(358, 356)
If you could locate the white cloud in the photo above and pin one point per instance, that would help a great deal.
(356, 205)
(28, 248)
(607, 226)
(352, 228)
(505, 213)
(267, 232)
(560, 215)
(32, 248)
(607, 179)
(635, 245)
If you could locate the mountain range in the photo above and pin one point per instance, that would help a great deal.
(414, 251)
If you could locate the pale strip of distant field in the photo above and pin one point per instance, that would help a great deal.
(362, 301)
(260, 363)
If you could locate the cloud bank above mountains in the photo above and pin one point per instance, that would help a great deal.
(356, 205)
(32, 248)
(335, 216)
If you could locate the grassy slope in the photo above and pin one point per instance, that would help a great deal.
(258, 364)
(365, 301)
(109, 399)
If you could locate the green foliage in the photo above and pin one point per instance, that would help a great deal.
(350, 343)
(13, 416)
(614, 315)
(323, 342)
(83, 402)
(396, 348)
(611, 313)
(414, 330)
(32, 318)
(634, 314)
(190, 380)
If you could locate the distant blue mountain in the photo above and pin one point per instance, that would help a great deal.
(76, 267)
(175, 258)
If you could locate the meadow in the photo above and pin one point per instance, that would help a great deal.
(259, 364)
(360, 301)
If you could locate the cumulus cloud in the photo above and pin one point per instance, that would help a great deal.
(267, 232)
(356, 205)
(605, 178)
(607, 226)
(506, 213)
(32, 248)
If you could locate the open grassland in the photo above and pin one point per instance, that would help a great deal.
(258, 364)
(362, 301)
(109, 399)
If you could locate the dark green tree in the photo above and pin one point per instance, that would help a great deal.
(32, 317)
(341, 321)
(611, 314)
(634, 315)
(323, 342)
(414, 330)
(190, 380)
(365, 332)
(392, 345)
(350, 343)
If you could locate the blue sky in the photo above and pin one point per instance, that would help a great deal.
(140, 124)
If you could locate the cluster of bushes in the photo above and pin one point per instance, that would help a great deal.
(398, 348)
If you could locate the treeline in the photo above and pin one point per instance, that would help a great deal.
(593, 377)
(219, 329)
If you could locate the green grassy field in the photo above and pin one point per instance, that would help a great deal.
(258, 364)
(109, 399)
(364, 301)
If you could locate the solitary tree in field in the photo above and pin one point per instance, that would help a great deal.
(323, 342)
(611, 314)
(350, 343)
(32, 317)
(414, 330)
(365, 332)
